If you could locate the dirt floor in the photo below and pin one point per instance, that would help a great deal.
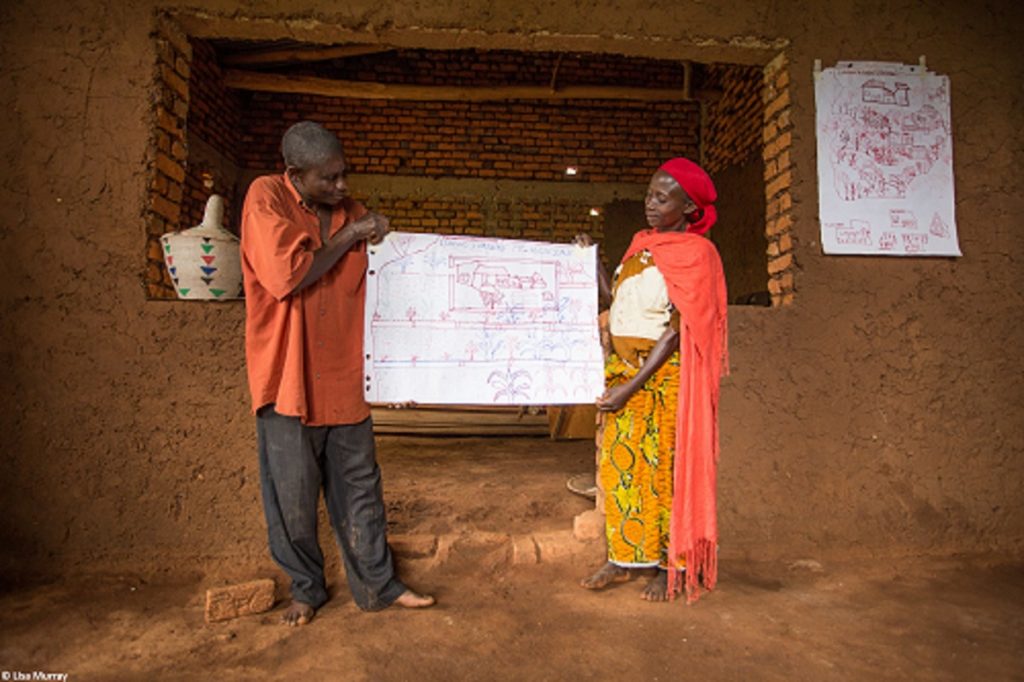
(461, 513)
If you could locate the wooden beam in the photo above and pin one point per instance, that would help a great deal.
(310, 85)
(301, 54)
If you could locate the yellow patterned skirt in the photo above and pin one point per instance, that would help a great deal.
(635, 468)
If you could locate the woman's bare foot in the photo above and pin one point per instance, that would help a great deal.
(657, 589)
(297, 613)
(605, 576)
(414, 600)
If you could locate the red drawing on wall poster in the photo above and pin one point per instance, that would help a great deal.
(884, 158)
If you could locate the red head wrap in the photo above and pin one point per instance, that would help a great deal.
(698, 186)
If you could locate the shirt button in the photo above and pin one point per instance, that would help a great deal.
(323, 311)
(317, 375)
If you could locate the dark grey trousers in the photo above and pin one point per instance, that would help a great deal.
(295, 461)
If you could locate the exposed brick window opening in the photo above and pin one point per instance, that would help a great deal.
(541, 169)
(778, 177)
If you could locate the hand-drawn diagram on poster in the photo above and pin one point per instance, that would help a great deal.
(885, 160)
(469, 320)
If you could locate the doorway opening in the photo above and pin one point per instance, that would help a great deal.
(493, 142)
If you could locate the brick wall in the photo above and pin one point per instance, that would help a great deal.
(555, 220)
(231, 134)
(732, 141)
(733, 123)
(523, 140)
(435, 214)
(214, 122)
(607, 141)
(778, 170)
(168, 154)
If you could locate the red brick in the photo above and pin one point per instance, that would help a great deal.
(782, 120)
(178, 151)
(159, 183)
(158, 291)
(154, 252)
(182, 67)
(170, 167)
(174, 192)
(785, 202)
(777, 265)
(777, 185)
(174, 81)
(168, 210)
(779, 62)
(168, 122)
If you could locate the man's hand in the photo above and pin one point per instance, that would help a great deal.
(583, 239)
(373, 227)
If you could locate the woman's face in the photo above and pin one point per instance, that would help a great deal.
(667, 204)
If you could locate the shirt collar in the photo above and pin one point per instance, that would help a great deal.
(295, 193)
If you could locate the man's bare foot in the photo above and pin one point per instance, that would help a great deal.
(414, 600)
(605, 576)
(657, 589)
(298, 613)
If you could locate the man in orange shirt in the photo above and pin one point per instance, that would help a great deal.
(304, 266)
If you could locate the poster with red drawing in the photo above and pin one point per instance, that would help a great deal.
(480, 321)
(885, 160)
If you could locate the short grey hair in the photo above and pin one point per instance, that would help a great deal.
(307, 144)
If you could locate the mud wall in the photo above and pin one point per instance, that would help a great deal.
(881, 412)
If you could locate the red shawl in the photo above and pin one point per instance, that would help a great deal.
(696, 285)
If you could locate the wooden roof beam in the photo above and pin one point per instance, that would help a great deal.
(311, 85)
(300, 54)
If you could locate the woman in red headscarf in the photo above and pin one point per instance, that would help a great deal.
(659, 446)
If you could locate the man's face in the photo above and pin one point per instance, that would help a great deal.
(666, 204)
(322, 184)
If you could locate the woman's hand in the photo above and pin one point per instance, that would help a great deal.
(582, 239)
(615, 398)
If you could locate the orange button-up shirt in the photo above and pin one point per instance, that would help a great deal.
(304, 351)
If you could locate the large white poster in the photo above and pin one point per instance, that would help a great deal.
(885, 160)
(469, 320)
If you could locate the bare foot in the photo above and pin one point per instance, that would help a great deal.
(605, 576)
(414, 600)
(657, 589)
(298, 613)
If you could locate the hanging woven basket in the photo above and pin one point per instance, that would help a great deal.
(204, 262)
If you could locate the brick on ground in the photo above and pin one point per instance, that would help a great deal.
(560, 545)
(242, 599)
(524, 550)
(588, 525)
